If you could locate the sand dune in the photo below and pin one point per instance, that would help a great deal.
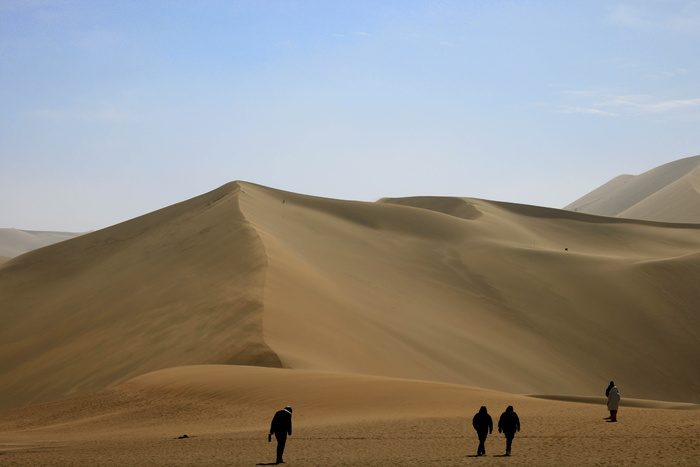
(669, 193)
(386, 325)
(514, 298)
(501, 296)
(14, 242)
(182, 285)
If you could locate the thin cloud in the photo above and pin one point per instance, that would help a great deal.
(627, 16)
(596, 102)
(581, 93)
(83, 115)
(686, 21)
(642, 105)
(570, 109)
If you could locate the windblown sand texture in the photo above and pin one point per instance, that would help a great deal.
(385, 325)
(668, 193)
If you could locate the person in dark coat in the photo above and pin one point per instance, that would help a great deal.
(607, 394)
(610, 386)
(508, 424)
(281, 426)
(483, 424)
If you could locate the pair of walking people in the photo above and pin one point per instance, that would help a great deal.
(508, 424)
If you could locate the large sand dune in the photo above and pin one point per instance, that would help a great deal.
(668, 193)
(501, 296)
(385, 325)
(179, 286)
(14, 242)
(508, 297)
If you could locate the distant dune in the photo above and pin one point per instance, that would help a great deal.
(14, 242)
(669, 193)
(493, 295)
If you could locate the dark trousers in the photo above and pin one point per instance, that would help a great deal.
(281, 441)
(482, 439)
(509, 441)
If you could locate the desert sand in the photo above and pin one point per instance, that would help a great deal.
(385, 325)
(668, 193)
(339, 419)
(14, 242)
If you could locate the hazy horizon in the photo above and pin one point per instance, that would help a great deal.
(113, 110)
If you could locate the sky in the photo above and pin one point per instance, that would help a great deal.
(113, 109)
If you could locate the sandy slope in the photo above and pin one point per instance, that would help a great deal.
(339, 419)
(508, 297)
(495, 295)
(181, 285)
(668, 193)
(395, 321)
(14, 242)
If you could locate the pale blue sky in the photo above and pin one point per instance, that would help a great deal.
(112, 109)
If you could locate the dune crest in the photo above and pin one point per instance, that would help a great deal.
(181, 285)
(668, 193)
(518, 299)
(501, 296)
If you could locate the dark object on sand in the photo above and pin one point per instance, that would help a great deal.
(281, 426)
(483, 424)
(508, 424)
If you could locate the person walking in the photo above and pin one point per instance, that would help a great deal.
(483, 424)
(613, 403)
(508, 424)
(281, 426)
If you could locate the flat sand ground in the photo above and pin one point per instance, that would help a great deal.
(338, 420)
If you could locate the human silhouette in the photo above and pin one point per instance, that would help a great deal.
(610, 386)
(281, 426)
(508, 424)
(483, 424)
(613, 403)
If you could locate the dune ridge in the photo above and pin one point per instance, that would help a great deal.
(668, 193)
(177, 286)
(385, 325)
(540, 300)
(463, 291)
